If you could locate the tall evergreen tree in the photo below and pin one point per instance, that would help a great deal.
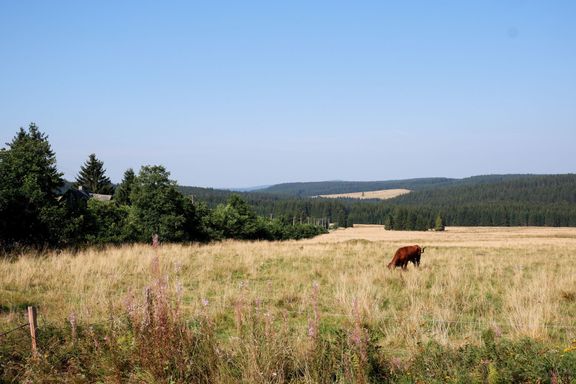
(122, 192)
(29, 211)
(92, 176)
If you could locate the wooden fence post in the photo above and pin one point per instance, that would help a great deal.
(33, 326)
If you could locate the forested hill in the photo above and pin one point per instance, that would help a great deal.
(495, 200)
(542, 189)
(480, 200)
(309, 189)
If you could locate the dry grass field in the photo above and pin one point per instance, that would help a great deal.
(382, 194)
(517, 282)
(520, 279)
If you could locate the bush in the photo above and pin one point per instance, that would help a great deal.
(107, 223)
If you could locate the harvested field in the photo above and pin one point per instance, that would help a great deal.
(493, 237)
(382, 194)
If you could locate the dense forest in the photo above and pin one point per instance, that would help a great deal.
(491, 200)
(516, 184)
(39, 209)
(284, 207)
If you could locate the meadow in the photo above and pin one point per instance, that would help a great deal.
(486, 305)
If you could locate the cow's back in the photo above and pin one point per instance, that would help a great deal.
(407, 251)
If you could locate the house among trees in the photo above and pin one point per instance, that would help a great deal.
(75, 198)
(91, 183)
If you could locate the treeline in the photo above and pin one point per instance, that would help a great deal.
(288, 209)
(423, 217)
(35, 212)
(492, 200)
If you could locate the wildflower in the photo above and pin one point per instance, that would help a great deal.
(72, 320)
(314, 321)
(311, 330)
(179, 287)
(205, 302)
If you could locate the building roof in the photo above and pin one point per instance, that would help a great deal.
(101, 197)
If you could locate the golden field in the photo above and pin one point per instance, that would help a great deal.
(382, 194)
(516, 281)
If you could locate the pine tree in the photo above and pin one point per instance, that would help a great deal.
(122, 192)
(92, 177)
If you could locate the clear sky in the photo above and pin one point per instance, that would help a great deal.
(243, 93)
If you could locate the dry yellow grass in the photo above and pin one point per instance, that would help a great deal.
(519, 281)
(382, 194)
(492, 237)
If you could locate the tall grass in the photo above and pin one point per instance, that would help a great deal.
(293, 312)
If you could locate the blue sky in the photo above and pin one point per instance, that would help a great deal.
(242, 93)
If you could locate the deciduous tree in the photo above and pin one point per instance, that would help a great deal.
(29, 211)
(157, 206)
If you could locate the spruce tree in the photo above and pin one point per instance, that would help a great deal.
(122, 192)
(92, 177)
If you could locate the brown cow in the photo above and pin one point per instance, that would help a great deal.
(407, 254)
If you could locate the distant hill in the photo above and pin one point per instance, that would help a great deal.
(250, 189)
(309, 189)
(542, 189)
(429, 191)
(490, 200)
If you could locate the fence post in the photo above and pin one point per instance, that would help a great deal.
(33, 326)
